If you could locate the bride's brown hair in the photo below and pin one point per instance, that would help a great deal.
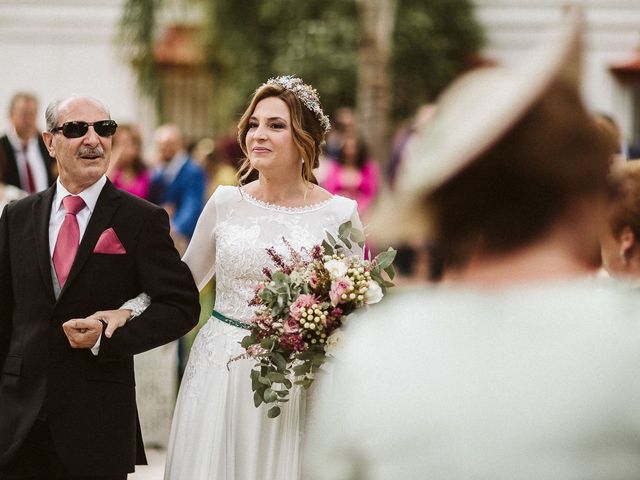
(308, 134)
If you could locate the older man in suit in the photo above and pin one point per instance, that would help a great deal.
(27, 164)
(67, 392)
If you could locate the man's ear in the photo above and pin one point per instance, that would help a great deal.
(627, 240)
(47, 137)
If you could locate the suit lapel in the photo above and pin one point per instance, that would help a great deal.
(108, 203)
(41, 217)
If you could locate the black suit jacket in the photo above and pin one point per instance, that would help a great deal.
(89, 401)
(9, 165)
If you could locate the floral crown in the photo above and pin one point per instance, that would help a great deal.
(305, 93)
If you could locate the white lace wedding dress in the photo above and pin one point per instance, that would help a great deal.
(217, 433)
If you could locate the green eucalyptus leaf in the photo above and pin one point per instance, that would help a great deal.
(257, 399)
(279, 361)
(273, 412)
(357, 236)
(344, 227)
(327, 247)
(276, 377)
(267, 343)
(330, 238)
(302, 369)
(385, 259)
(248, 341)
(390, 271)
(269, 396)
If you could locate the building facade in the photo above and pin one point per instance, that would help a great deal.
(612, 40)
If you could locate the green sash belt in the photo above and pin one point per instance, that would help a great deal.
(231, 321)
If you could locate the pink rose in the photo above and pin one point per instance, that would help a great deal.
(338, 288)
(291, 326)
(303, 301)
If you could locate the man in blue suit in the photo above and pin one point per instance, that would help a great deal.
(178, 184)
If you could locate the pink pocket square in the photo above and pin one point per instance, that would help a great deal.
(109, 243)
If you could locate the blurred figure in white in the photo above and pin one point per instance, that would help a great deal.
(523, 368)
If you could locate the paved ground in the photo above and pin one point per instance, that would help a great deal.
(154, 470)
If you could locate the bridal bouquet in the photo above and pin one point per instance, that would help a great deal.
(301, 305)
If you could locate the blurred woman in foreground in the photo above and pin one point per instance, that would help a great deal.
(522, 368)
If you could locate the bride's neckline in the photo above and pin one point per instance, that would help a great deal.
(281, 208)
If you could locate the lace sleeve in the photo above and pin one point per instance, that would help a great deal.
(201, 252)
(137, 305)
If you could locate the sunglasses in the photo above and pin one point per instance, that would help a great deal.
(104, 128)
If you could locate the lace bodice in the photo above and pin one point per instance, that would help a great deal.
(234, 230)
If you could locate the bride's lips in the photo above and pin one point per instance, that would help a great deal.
(260, 150)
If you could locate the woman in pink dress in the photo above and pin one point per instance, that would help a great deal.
(353, 174)
(129, 172)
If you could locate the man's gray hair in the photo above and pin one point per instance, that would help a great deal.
(52, 112)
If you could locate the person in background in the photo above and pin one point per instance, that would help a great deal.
(610, 129)
(27, 164)
(178, 184)
(417, 261)
(521, 367)
(620, 241)
(353, 173)
(8, 193)
(345, 124)
(128, 171)
(219, 172)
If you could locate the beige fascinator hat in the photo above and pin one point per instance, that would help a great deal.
(472, 115)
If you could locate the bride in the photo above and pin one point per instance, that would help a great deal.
(217, 432)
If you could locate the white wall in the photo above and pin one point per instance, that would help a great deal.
(55, 48)
(613, 35)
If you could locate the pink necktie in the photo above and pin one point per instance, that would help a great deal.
(68, 238)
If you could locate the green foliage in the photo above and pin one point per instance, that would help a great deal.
(248, 41)
(253, 40)
(137, 30)
(433, 42)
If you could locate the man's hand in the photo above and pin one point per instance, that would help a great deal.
(82, 332)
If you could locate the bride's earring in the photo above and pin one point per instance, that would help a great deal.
(302, 160)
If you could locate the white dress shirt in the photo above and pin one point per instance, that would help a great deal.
(33, 157)
(90, 197)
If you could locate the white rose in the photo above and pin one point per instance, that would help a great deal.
(336, 268)
(333, 340)
(373, 294)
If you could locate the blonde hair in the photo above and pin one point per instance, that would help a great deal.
(308, 134)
